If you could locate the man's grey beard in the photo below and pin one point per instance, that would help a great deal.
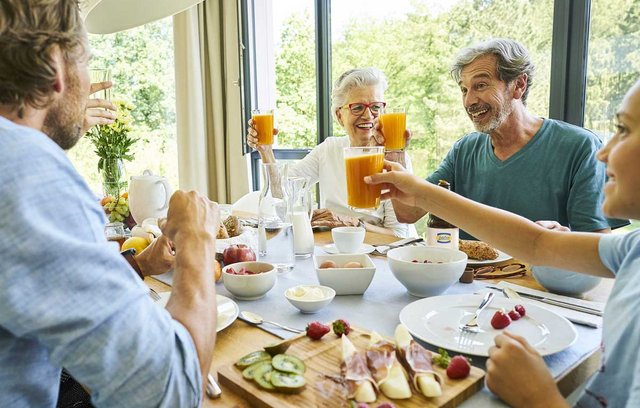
(496, 121)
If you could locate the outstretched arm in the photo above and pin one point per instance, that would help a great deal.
(507, 231)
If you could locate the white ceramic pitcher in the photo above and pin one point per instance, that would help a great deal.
(148, 196)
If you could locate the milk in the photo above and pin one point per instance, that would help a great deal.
(303, 243)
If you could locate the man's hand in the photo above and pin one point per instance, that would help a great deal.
(327, 218)
(519, 375)
(190, 215)
(98, 110)
(553, 225)
(157, 258)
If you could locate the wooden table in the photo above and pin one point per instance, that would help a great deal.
(241, 338)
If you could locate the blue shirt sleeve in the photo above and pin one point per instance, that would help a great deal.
(70, 300)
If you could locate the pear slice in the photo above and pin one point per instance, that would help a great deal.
(356, 372)
(385, 368)
(417, 361)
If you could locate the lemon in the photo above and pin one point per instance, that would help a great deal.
(137, 243)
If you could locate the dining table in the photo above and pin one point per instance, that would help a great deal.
(378, 309)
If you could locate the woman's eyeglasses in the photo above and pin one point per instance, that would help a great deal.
(358, 108)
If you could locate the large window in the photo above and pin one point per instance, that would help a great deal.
(142, 70)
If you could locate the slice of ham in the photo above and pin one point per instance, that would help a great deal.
(380, 359)
(417, 361)
(355, 371)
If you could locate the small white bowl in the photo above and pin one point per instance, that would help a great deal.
(345, 281)
(426, 279)
(249, 287)
(310, 305)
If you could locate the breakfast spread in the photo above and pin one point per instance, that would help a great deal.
(478, 250)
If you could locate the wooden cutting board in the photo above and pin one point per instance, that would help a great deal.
(322, 359)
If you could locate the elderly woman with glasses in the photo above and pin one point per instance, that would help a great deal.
(356, 101)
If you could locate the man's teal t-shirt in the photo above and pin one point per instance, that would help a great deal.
(555, 176)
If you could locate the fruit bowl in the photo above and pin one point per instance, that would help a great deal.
(249, 287)
(423, 279)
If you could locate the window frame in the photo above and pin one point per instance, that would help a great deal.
(567, 96)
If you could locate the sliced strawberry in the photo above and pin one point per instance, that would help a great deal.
(514, 315)
(500, 320)
(520, 310)
(459, 367)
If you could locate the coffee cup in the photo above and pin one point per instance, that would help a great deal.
(348, 240)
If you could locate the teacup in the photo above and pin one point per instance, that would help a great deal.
(348, 240)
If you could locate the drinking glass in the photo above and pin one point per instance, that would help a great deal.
(394, 124)
(361, 162)
(263, 123)
(114, 232)
(100, 75)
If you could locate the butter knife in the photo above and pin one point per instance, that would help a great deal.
(383, 249)
(555, 302)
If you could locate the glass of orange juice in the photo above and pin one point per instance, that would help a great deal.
(361, 162)
(394, 124)
(263, 123)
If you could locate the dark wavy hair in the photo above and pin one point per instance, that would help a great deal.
(29, 31)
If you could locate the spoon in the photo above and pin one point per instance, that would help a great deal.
(253, 318)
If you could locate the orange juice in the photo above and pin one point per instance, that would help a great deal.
(360, 194)
(263, 123)
(393, 126)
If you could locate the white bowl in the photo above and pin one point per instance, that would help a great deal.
(249, 287)
(426, 279)
(345, 281)
(564, 282)
(310, 305)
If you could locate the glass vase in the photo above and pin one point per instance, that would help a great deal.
(114, 180)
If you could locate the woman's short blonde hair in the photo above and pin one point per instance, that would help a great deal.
(355, 78)
(29, 32)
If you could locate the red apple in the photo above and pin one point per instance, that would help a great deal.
(238, 253)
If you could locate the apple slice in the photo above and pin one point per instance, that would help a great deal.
(417, 361)
(360, 385)
(385, 368)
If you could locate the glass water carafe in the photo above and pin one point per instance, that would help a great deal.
(275, 229)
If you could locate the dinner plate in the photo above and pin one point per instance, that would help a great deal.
(436, 321)
(364, 249)
(501, 257)
(227, 309)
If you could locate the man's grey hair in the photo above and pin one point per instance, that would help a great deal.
(355, 78)
(512, 58)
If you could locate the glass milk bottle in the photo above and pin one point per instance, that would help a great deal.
(440, 233)
(275, 229)
(301, 210)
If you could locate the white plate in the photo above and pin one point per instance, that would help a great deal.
(436, 320)
(364, 249)
(227, 309)
(501, 257)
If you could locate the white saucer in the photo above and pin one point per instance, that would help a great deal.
(364, 249)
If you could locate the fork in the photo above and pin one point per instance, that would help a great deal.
(472, 325)
(154, 295)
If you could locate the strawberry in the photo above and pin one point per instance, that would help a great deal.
(514, 315)
(459, 367)
(500, 320)
(341, 327)
(520, 310)
(386, 405)
(315, 330)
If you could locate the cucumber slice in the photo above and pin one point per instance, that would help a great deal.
(289, 383)
(253, 358)
(249, 372)
(262, 376)
(288, 364)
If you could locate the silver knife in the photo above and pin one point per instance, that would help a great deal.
(383, 249)
(555, 302)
